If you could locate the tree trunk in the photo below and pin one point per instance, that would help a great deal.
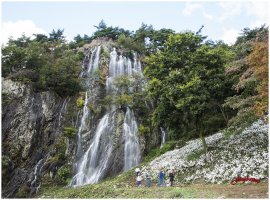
(200, 130)
(203, 142)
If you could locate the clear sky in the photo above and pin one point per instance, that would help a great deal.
(221, 20)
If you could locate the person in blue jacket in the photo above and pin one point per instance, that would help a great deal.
(161, 178)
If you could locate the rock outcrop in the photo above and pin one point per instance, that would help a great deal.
(31, 124)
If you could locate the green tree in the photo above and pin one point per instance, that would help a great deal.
(62, 76)
(109, 32)
(41, 38)
(101, 25)
(57, 35)
(47, 64)
(187, 82)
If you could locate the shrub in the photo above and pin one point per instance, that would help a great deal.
(64, 174)
(124, 100)
(80, 102)
(107, 101)
(70, 132)
(23, 192)
(143, 130)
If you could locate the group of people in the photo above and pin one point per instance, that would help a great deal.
(161, 178)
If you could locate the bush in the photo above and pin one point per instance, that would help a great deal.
(60, 148)
(167, 146)
(94, 109)
(23, 192)
(106, 101)
(104, 53)
(143, 130)
(64, 174)
(124, 100)
(80, 102)
(70, 132)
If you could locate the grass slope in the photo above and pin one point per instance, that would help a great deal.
(123, 186)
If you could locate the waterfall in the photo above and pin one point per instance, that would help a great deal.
(83, 125)
(93, 164)
(132, 147)
(34, 181)
(94, 60)
(163, 137)
(63, 109)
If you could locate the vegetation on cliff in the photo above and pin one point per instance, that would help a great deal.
(193, 87)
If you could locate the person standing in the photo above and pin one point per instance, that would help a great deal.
(137, 170)
(148, 179)
(171, 177)
(161, 178)
(139, 180)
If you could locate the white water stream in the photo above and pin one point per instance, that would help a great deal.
(93, 163)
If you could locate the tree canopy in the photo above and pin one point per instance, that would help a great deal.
(188, 85)
(197, 86)
(47, 63)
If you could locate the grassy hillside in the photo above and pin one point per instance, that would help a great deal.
(115, 189)
(250, 146)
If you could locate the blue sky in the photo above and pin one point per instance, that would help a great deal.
(221, 20)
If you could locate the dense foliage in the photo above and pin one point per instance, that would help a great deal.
(47, 63)
(188, 85)
(249, 73)
(196, 86)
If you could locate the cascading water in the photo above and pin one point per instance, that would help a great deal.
(83, 125)
(94, 161)
(132, 146)
(93, 164)
(163, 137)
(93, 64)
(63, 109)
(34, 181)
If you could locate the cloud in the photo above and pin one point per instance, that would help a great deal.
(207, 15)
(259, 10)
(17, 28)
(230, 10)
(191, 8)
(229, 36)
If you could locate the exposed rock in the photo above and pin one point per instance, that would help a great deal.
(30, 126)
(11, 88)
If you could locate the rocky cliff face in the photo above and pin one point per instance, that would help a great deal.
(31, 124)
(43, 137)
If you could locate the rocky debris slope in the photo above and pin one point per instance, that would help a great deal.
(241, 155)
